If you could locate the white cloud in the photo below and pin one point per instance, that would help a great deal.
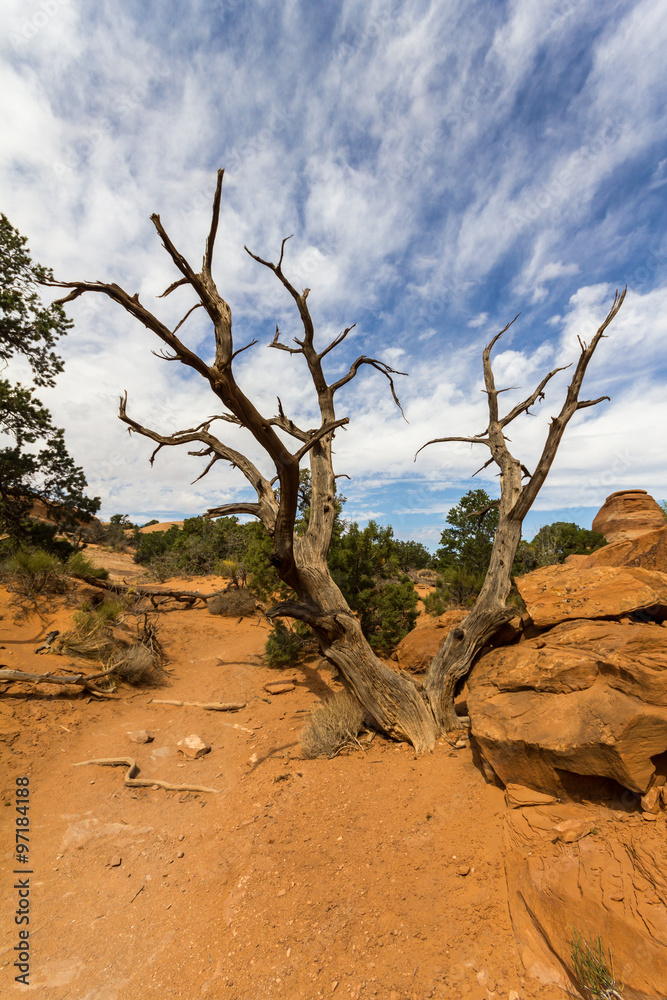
(433, 166)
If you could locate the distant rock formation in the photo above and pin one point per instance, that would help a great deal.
(628, 514)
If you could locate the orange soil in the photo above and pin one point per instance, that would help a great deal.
(300, 879)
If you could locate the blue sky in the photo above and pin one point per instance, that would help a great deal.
(442, 166)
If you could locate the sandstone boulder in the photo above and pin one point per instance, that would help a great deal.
(646, 551)
(609, 883)
(628, 514)
(584, 699)
(567, 591)
(417, 649)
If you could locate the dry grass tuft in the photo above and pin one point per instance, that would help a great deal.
(333, 727)
(234, 603)
(136, 665)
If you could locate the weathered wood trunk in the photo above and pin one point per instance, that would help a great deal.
(456, 656)
(391, 699)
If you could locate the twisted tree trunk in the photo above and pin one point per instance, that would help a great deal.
(392, 700)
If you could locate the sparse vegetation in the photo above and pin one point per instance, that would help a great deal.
(333, 727)
(288, 643)
(593, 969)
(235, 603)
(135, 655)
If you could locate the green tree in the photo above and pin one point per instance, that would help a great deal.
(467, 543)
(553, 543)
(34, 463)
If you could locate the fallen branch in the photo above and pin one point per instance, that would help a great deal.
(146, 591)
(133, 782)
(211, 706)
(80, 679)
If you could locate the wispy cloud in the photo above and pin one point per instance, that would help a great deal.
(441, 166)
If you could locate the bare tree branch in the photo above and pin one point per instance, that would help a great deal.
(173, 286)
(215, 216)
(197, 305)
(527, 403)
(234, 508)
(338, 340)
(479, 439)
(318, 435)
(213, 446)
(380, 366)
(283, 347)
(569, 408)
(134, 307)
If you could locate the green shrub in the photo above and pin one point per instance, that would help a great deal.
(79, 565)
(387, 613)
(456, 588)
(31, 572)
(287, 643)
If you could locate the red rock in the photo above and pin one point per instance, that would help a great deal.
(647, 551)
(554, 887)
(417, 649)
(518, 796)
(141, 736)
(592, 701)
(564, 592)
(651, 801)
(279, 687)
(627, 514)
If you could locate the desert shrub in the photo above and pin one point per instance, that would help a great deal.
(333, 727)
(235, 603)
(33, 572)
(287, 643)
(438, 601)
(79, 565)
(136, 658)
(387, 613)
(553, 543)
(457, 587)
(593, 970)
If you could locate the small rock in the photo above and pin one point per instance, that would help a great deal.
(115, 862)
(513, 995)
(482, 977)
(651, 817)
(193, 746)
(279, 687)
(180, 854)
(463, 870)
(651, 801)
(181, 836)
(334, 986)
(141, 736)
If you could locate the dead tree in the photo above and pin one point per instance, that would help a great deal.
(455, 657)
(392, 700)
